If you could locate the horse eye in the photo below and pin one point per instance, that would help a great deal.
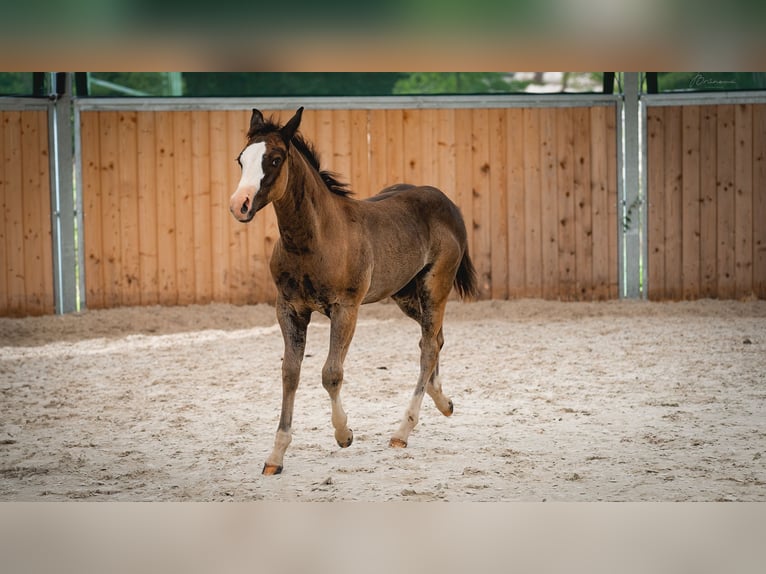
(276, 161)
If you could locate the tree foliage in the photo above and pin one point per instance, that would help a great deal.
(458, 83)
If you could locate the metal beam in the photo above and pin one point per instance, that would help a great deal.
(349, 103)
(632, 208)
(63, 212)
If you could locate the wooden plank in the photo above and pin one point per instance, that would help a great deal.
(566, 242)
(445, 153)
(743, 200)
(533, 250)
(338, 149)
(146, 165)
(726, 206)
(601, 235)
(36, 213)
(463, 172)
(708, 202)
(549, 198)
(656, 207)
(5, 217)
(91, 201)
(14, 181)
(515, 202)
(184, 209)
(201, 201)
(759, 201)
(411, 146)
(15, 199)
(498, 203)
(33, 202)
(219, 205)
(108, 126)
(690, 191)
(323, 139)
(428, 152)
(378, 159)
(127, 177)
(166, 213)
(395, 172)
(584, 188)
(482, 233)
(673, 203)
(360, 168)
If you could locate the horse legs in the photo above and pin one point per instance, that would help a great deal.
(342, 326)
(432, 304)
(409, 302)
(434, 386)
(294, 326)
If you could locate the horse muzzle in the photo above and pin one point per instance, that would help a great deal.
(244, 204)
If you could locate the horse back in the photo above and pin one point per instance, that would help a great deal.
(425, 203)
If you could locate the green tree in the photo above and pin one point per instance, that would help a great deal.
(130, 83)
(273, 84)
(16, 83)
(458, 83)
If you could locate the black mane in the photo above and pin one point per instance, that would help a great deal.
(308, 151)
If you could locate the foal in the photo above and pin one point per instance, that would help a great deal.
(335, 253)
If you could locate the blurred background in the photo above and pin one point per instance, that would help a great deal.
(305, 84)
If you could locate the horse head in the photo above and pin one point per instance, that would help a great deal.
(264, 164)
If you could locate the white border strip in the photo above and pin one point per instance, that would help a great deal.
(345, 103)
(14, 104)
(707, 98)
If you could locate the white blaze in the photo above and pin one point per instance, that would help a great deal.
(252, 166)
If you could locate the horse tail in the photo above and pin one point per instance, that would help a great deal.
(465, 279)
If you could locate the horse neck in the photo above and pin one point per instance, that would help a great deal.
(306, 208)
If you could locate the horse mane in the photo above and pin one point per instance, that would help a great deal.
(308, 151)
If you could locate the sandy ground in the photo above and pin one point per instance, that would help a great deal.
(616, 401)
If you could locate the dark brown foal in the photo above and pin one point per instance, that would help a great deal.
(335, 253)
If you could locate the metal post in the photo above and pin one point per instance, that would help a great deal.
(632, 208)
(63, 211)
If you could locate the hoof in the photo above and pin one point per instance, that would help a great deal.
(271, 469)
(397, 443)
(346, 443)
(448, 410)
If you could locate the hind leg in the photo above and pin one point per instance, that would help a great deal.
(409, 302)
(431, 298)
(434, 386)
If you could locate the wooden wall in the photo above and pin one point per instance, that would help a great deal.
(707, 201)
(537, 188)
(26, 268)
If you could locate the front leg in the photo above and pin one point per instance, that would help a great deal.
(294, 325)
(342, 326)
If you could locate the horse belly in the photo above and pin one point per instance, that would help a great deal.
(392, 272)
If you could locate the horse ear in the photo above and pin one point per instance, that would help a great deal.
(256, 119)
(288, 131)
